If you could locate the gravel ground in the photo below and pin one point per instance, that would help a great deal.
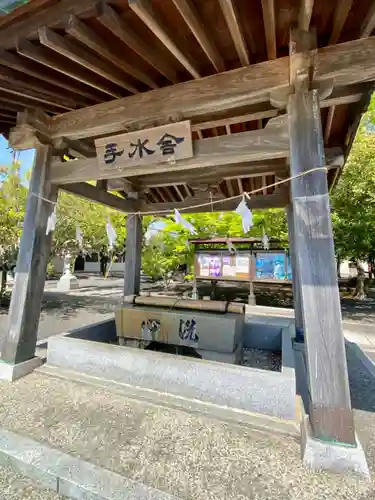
(190, 456)
(264, 360)
(16, 487)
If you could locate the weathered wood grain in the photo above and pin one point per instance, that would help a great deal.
(20, 340)
(29, 25)
(74, 52)
(341, 13)
(231, 17)
(114, 23)
(368, 24)
(221, 92)
(268, 143)
(150, 17)
(86, 36)
(277, 200)
(346, 64)
(132, 270)
(190, 15)
(41, 56)
(330, 409)
(93, 193)
(268, 7)
(28, 68)
(304, 14)
(295, 273)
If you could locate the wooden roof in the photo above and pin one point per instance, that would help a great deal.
(61, 56)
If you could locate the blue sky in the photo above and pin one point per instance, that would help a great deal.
(26, 157)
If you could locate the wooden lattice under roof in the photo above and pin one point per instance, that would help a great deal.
(65, 55)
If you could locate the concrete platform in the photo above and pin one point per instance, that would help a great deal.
(178, 453)
(237, 387)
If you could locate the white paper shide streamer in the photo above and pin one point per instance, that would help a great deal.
(180, 220)
(79, 237)
(247, 217)
(111, 234)
(51, 222)
(265, 241)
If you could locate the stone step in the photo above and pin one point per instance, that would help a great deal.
(228, 415)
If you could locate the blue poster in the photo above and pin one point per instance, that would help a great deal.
(270, 266)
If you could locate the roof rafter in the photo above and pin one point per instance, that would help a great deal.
(341, 14)
(85, 35)
(190, 15)
(40, 55)
(114, 23)
(143, 10)
(268, 7)
(232, 20)
(74, 52)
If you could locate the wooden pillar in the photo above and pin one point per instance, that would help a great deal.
(295, 275)
(330, 408)
(133, 255)
(20, 341)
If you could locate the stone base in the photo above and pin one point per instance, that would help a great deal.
(234, 358)
(321, 455)
(67, 283)
(12, 372)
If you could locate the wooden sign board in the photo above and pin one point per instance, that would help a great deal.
(167, 143)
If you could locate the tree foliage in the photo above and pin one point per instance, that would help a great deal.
(12, 212)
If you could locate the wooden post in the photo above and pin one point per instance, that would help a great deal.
(330, 408)
(20, 341)
(132, 273)
(295, 276)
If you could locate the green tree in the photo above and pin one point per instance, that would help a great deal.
(12, 211)
(353, 204)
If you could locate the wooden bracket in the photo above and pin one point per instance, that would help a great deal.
(31, 130)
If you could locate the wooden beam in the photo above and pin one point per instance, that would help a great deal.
(341, 14)
(7, 115)
(327, 130)
(86, 36)
(114, 23)
(133, 255)
(348, 63)
(34, 89)
(221, 92)
(180, 195)
(211, 173)
(304, 14)
(78, 148)
(161, 194)
(51, 16)
(31, 95)
(264, 183)
(233, 22)
(278, 200)
(256, 112)
(24, 102)
(268, 7)
(102, 184)
(26, 67)
(191, 17)
(330, 409)
(41, 56)
(20, 340)
(368, 24)
(93, 193)
(74, 52)
(345, 95)
(240, 186)
(268, 143)
(144, 11)
(229, 185)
